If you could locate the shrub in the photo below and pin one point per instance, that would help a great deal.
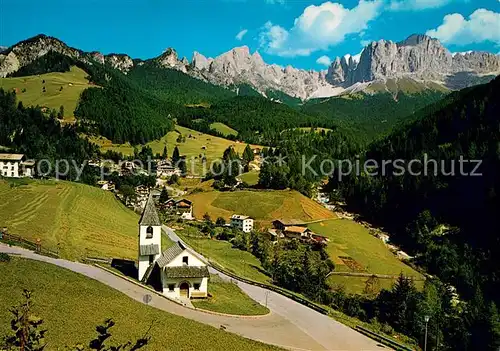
(4, 257)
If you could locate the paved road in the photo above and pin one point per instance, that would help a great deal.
(289, 325)
(329, 333)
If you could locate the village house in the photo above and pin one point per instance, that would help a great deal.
(181, 207)
(164, 168)
(243, 223)
(319, 239)
(127, 168)
(16, 166)
(292, 229)
(281, 224)
(273, 234)
(295, 232)
(182, 275)
(106, 185)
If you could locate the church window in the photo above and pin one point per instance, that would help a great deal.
(149, 232)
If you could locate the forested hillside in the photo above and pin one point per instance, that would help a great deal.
(175, 86)
(29, 131)
(122, 111)
(51, 62)
(257, 119)
(448, 218)
(370, 116)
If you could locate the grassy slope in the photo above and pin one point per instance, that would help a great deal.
(53, 97)
(223, 128)
(228, 298)
(191, 148)
(241, 263)
(72, 305)
(263, 206)
(348, 238)
(76, 216)
(251, 178)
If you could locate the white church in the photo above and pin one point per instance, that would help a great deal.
(180, 274)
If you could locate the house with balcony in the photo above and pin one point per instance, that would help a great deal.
(16, 166)
(243, 223)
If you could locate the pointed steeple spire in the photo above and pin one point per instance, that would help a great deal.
(150, 215)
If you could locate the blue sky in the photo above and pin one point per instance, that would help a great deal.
(296, 32)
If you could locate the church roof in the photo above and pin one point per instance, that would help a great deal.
(186, 272)
(169, 254)
(150, 215)
(151, 249)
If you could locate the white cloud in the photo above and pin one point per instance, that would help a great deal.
(319, 27)
(241, 34)
(324, 60)
(482, 25)
(401, 5)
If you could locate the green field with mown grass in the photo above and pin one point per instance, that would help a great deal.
(60, 89)
(223, 128)
(251, 178)
(227, 297)
(241, 263)
(76, 219)
(72, 305)
(262, 206)
(194, 146)
(353, 249)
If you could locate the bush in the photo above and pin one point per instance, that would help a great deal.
(387, 329)
(4, 257)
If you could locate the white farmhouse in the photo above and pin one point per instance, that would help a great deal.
(15, 166)
(181, 273)
(243, 223)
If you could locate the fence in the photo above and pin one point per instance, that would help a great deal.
(383, 339)
(35, 246)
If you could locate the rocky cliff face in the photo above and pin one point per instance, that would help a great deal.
(29, 50)
(418, 57)
(170, 59)
(240, 66)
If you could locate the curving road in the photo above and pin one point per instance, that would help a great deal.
(329, 333)
(289, 325)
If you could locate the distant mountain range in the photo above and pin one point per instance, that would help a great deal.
(419, 61)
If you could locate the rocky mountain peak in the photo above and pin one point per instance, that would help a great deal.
(168, 57)
(200, 62)
(415, 39)
(418, 56)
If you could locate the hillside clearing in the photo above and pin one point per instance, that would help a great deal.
(72, 84)
(76, 219)
(262, 206)
(71, 315)
(223, 128)
(353, 249)
(196, 144)
(251, 178)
